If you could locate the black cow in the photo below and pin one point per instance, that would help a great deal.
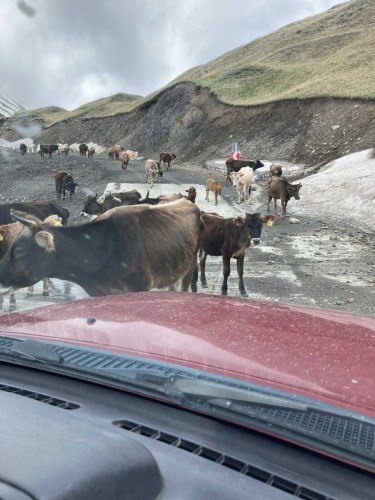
(96, 206)
(40, 209)
(280, 189)
(64, 182)
(229, 237)
(127, 249)
(166, 158)
(235, 165)
(48, 149)
(83, 149)
(23, 148)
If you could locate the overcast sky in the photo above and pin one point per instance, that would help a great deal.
(69, 52)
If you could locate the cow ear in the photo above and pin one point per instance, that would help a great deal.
(45, 240)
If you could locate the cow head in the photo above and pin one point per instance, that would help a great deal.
(28, 258)
(293, 190)
(255, 223)
(92, 206)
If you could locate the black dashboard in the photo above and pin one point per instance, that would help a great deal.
(68, 439)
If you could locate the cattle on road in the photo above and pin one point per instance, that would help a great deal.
(281, 189)
(126, 249)
(40, 209)
(48, 149)
(235, 165)
(64, 182)
(229, 237)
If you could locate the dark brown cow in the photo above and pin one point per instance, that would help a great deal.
(235, 165)
(64, 182)
(126, 249)
(23, 148)
(229, 237)
(48, 149)
(280, 189)
(83, 149)
(166, 158)
(40, 209)
(191, 194)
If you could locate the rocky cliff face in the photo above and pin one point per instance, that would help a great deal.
(193, 124)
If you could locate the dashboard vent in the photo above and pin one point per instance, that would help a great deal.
(49, 400)
(226, 461)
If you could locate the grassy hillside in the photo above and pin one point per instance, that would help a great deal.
(330, 54)
(106, 106)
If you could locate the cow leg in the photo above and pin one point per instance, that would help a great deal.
(207, 195)
(241, 286)
(12, 302)
(283, 204)
(45, 287)
(1, 301)
(226, 273)
(190, 279)
(202, 262)
(30, 291)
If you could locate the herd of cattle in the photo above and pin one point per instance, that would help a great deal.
(121, 249)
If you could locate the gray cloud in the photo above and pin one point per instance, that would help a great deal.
(68, 53)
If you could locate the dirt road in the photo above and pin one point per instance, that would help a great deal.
(312, 262)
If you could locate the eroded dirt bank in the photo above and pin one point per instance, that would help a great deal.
(191, 122)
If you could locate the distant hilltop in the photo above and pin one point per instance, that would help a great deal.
(8, 107)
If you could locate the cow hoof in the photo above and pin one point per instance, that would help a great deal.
(244, 294)
(204, 285)
(28, 295)
(45, 294)
(224, 292)
(12, 308)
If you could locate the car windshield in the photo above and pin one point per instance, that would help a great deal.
(190, 186)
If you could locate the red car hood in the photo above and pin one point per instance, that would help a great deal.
(322, 354)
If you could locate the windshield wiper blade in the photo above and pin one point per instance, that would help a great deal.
(33, 350)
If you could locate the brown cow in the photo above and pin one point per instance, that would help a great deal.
(125, 158)
(166, 158)
(118, 252)
(23, 148)
(191, 194)
(229, 237)
(215, 187)
(91, 152)
(280, 189)
(64, 182)
(48, 149)
(111, 153)
(118, 149)
(8, 233)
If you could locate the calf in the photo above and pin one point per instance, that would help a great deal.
(191, 194)
(166, 158)
(64, 182)
(280, 189)
(242, 180)
(83, 149)
(153, 171)
(235, 165)
(229, 237)
(215, 187)
(125, 158)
